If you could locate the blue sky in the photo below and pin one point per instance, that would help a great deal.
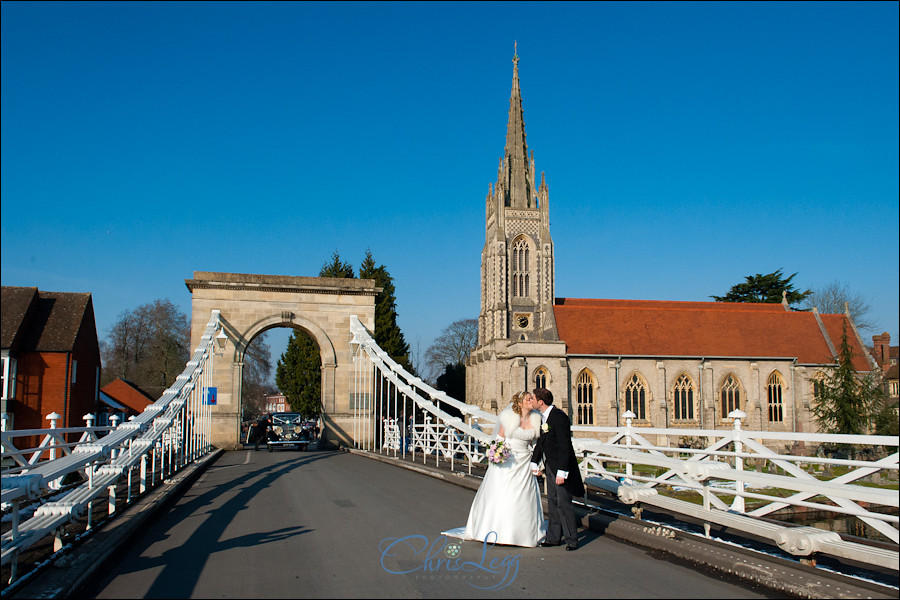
(686, 145)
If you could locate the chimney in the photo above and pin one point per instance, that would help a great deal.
(881, 350)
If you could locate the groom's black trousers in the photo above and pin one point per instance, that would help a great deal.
(561, 514)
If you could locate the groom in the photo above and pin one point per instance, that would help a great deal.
(563, 476)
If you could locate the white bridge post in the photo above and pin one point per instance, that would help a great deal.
(738, 503)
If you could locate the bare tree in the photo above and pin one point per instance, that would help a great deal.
(451, 348)
(148, 346)
(417, 355)
(830, 299)
(256, 377)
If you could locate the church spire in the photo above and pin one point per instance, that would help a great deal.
(517, 262)
(518, 182)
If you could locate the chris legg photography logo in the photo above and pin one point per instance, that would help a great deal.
(415, 554)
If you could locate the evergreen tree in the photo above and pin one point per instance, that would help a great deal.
(299, 374)
(886, 417)
(337, 268)
(844, 403)
(764, 288)
(387, 333)
(453, 381)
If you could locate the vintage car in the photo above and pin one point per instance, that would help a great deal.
(288, 430)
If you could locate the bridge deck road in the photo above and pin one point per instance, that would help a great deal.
(314, 524)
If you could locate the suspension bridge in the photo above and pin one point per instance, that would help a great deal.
(719, 499)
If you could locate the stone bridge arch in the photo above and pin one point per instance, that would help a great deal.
(252, 304)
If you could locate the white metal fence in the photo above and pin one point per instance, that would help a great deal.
(711, 483)
(138, 454)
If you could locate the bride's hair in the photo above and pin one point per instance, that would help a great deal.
(517, 402)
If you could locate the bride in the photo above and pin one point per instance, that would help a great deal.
(507, 507)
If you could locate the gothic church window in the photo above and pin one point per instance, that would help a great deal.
(818, 385)
(540, 378)
(731, 395)
(584, 394)
(684, 398)
(636, 397)
(774, 391)
(520, 268)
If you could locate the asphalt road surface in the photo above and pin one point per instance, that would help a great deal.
(291, 524)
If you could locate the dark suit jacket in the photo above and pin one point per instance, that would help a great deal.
(555, 445)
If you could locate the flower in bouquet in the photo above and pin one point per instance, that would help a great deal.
(498, 451)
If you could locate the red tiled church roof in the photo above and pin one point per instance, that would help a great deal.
(710, 329)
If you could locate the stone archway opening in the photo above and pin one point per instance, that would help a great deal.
(252, 304)
(303, 366)
(260, 393)
(257, 381)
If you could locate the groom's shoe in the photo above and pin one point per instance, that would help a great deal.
(575, 547)
(550, 544)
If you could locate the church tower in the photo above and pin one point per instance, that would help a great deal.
(517, 260)
(516, 327)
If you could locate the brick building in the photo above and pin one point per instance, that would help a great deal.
(123, 398)
(276, 403)
(51, 357)
(886, 356)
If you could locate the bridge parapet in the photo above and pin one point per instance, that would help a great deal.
(170, 434)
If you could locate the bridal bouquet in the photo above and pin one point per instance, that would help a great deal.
(499, 451)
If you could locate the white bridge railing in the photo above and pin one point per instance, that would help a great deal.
(138, 454)
(398, 413)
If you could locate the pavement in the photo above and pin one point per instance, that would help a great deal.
(69, 573)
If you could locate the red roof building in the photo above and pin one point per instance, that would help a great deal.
(124, 398)
(657, 328)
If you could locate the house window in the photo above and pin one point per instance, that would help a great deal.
(584, 393)
(9, 378)
(775, 390)
(540, 378)
(684, 399)
(520, 274)
(731, 395)
(636, 397)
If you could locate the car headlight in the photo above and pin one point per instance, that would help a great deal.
(277, 429)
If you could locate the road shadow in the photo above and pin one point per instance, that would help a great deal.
(180, 567)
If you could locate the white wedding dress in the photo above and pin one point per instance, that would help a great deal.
(507, 507)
